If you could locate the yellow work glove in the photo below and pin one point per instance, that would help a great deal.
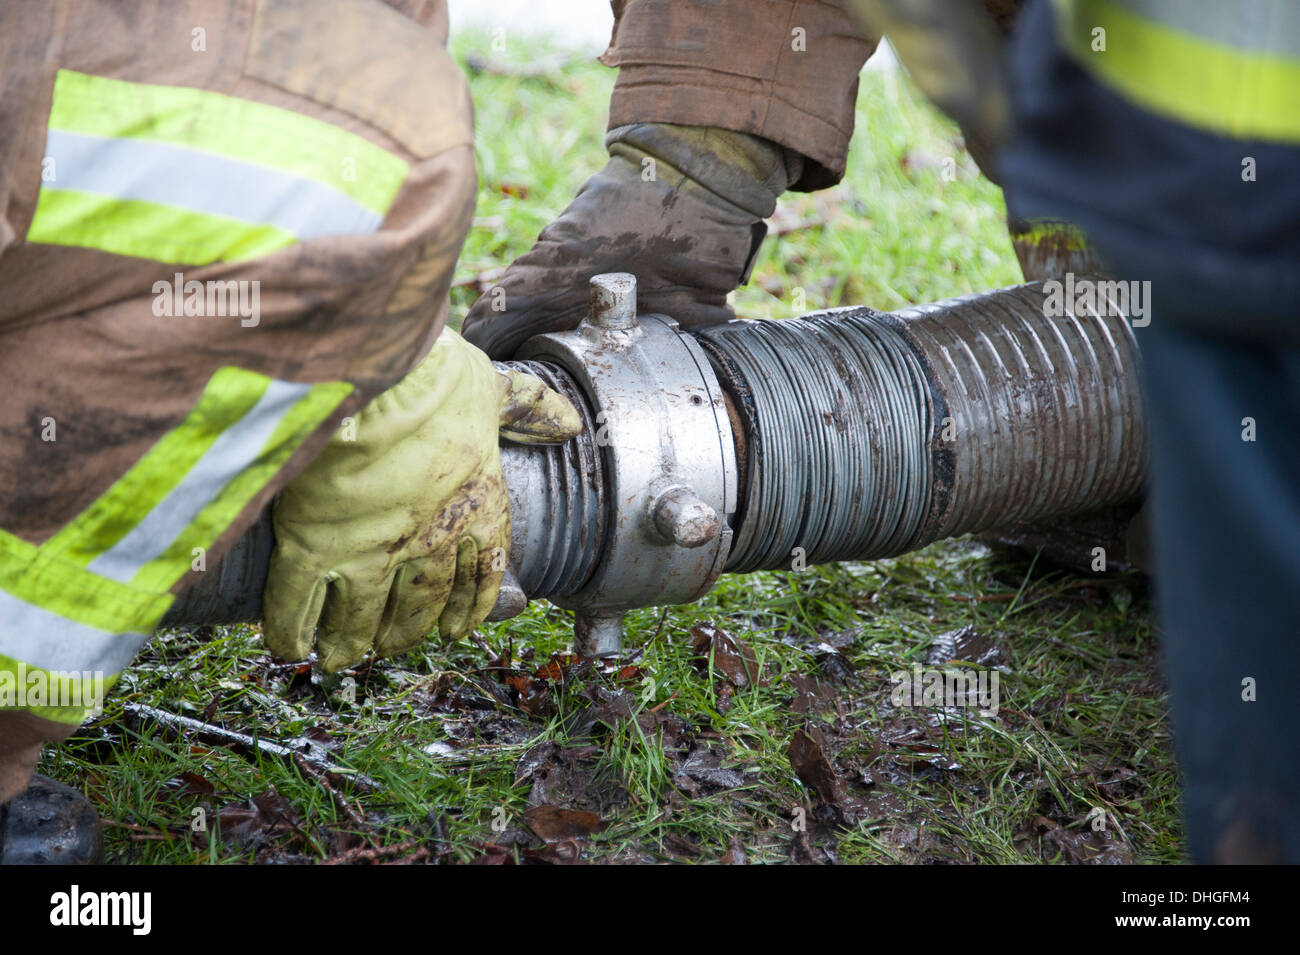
(402, 523)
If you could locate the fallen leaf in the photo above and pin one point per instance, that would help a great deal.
(555, 824)
(677, 733)
(964, 644)
(705, 766)
(556, 669)
(732, 658)
(807, 752)
(1080, 845)
(494, 855)
(262, 818)
(812, 696)
(834, 665)
(191, 783)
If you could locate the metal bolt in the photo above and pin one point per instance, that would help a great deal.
(680, 516)
(613, 300)
(598, 634)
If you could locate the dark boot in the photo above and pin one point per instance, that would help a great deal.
(49, 823)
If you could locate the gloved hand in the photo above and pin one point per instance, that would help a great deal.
(680, 207)
(405, 526)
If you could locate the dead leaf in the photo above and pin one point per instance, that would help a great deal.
(1079, 845)
(531, 696)
(494, 855)
(611, 707)
(555, 824)
(964, 644)
(834, 665)
(732, 658)
(677, 733)
(556, 669)
(262, 818)
(803, 852)
(535, 760)
(812, 696)
(807, 752)
(705, 766)
(191, 784)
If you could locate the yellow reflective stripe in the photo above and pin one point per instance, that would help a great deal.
(1208, 85)
(148, 230)
(303, 418)
(67, 697)
(228, 396)
(232, 127)
(40, 577)
(88, 598)
(1063, 235)
(191, 177)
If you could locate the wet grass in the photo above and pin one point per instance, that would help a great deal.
(461, 741)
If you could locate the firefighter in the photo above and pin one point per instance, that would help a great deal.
(1163, 134)
(226, 229)
(1169, 133)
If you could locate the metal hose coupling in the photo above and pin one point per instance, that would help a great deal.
(662, 477)
(844, 434)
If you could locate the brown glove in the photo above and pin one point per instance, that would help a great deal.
(681, 207)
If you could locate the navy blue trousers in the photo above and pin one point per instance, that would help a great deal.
(1226, 542)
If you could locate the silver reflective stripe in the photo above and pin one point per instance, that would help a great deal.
(234, 450)
(1254, 26)
(42, 638)
(202, 182)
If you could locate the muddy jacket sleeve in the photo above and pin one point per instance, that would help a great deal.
(785, 70)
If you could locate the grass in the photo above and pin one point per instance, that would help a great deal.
(462, 740)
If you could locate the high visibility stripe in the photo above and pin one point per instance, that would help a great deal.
(236, 448)
(148, 231)
(267, 136)
(56, 617)
(89, 597)
(292, 428)
(185, 491)
(42, 579)
(47, 640)
(1173, 73)
(202, 182)
(1262, 26)
(230, 394)
(191, 177)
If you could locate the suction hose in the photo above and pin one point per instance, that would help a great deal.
(848, 434)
